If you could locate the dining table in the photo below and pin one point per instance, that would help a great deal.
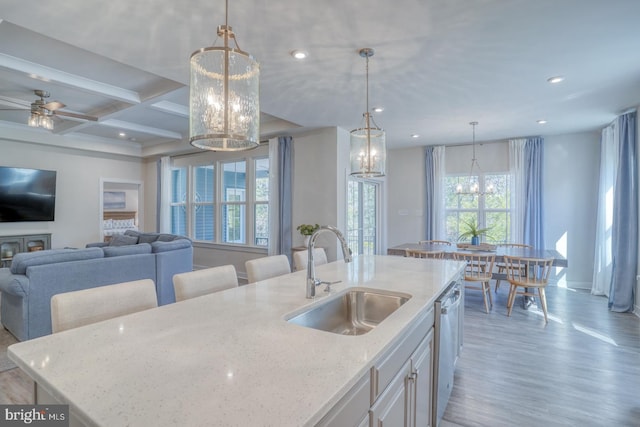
(500, 251)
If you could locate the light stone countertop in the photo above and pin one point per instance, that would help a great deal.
(228, 358)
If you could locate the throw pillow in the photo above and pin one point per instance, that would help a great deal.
(147, 238)
(107, 224)
(122, 240)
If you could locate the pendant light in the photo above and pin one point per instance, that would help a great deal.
(224, 103)
(473, 187)
(368, 153)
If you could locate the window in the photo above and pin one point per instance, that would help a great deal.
(223, 201)
(490, 211)
(203, 202)
(362, 216)
(261, 205)
(179, 201)
(234, 203)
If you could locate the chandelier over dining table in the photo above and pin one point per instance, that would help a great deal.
(472, 186)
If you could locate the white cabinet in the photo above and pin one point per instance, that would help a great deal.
(353, 408)
(392, 407)
(398, 392)
(407, 399)
(422, 372)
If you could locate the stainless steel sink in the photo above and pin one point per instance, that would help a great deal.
(353, 312)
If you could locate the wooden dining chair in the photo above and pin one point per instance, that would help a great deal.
(501, 265)
(205, 281)
(529, 274)
(435, 242)
(479, 270)
(417, 253)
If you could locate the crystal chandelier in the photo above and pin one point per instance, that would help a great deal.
(40, 117)
(224, 101)
(368, 154)
(473, 187)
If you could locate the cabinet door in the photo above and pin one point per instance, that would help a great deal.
(422, 378)
(352, 409)
(390, 410)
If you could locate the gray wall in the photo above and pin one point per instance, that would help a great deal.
(77, 216)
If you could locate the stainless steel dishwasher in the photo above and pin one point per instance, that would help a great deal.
(448, 309)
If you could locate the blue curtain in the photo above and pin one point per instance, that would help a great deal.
(533, 180)
(285, 168)
(430, 196)
(624, 239)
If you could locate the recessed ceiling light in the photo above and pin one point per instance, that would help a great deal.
(122, 134)
(541, 121)
(415, 135)
(555, 79)
(378, 109)
(299, 54)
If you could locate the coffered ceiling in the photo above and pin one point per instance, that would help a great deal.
(439, 64)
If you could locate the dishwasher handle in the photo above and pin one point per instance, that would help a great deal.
(452, 300)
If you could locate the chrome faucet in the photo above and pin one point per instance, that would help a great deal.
(312, 282)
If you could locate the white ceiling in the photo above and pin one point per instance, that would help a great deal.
(439, 64)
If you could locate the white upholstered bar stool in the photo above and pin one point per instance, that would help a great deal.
(301, 258)
(267, 267)
(78, 308)
(206, 281)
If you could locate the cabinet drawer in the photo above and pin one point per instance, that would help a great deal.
(352, 408)
(384, 371)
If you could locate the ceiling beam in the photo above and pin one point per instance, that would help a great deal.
(140, 128)
(45, 73)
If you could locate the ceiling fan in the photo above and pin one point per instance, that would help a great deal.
(42, 112)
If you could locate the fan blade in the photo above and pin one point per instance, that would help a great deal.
(75, 116)
(14, 109)
(53, 105)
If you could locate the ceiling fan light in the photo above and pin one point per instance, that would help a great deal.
(34, 120)
(46, 122)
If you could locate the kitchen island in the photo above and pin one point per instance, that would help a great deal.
(231, 358)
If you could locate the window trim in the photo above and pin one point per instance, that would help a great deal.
(210, 159)
(481, 209)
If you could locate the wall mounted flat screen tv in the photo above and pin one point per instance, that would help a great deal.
(27, 194)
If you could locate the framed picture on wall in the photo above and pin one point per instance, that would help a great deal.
(114, 200)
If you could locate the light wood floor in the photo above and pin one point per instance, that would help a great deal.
(581, 369)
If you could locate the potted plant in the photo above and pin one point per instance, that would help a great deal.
(307, 230)
(471, 230)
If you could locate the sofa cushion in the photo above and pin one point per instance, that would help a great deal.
(158, 246)
(122, 240)
(23, 260)
(140, 248)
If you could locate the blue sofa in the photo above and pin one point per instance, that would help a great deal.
(34, 277)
